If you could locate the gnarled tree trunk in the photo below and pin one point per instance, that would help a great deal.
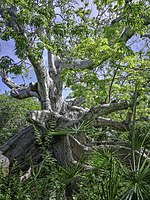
(66, 148)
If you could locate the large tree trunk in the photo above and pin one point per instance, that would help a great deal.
(67, 148)
(24, 148)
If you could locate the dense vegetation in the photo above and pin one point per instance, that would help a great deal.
(13, 115)
(111, 178)
(100, 50)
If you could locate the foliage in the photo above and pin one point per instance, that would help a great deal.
(107, 33)
(47, 182)
(109, 179)
(13, 115)
(114, 179)
(104, 181)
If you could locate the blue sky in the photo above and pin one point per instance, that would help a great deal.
(7, 48)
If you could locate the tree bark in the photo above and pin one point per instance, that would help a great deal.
(24, 149)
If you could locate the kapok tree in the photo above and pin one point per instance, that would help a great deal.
(89, 46)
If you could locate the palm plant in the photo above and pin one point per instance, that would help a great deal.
(114, 179)
(137, 178)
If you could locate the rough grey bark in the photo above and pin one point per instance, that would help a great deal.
(57, 116)
(67, 149)
(22, 147)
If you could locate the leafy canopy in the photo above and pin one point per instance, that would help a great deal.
(105, 31)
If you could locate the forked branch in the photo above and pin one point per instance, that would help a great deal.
(19, 91)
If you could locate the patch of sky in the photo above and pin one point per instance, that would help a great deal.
(7, 48)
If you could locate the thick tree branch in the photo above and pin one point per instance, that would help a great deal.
(54, 72)
(76, 102)
(23, 92)
(84, 115)
(4, 164)
(8, 81)
(53, 63)
(105, 109)
(48, 120)
(45, 83)
(21, 146)
(78, 149)
(119, 126)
